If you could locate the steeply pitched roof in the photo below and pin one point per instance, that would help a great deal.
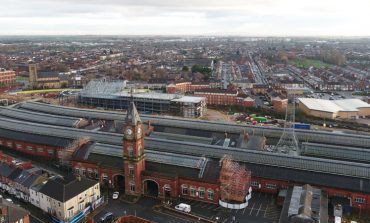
(132, 116)
(15, 174)
(63, 189)
(6, 170)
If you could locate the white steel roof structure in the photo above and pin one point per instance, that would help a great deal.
(349, 105)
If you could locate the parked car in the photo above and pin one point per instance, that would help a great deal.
(108, 217)
(115, 195)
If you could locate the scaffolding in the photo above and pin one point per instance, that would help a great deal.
(235, 181)
(103, 87)
(288, 142)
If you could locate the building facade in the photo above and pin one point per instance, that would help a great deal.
(7, 77)
(65, 198)
(43, 79)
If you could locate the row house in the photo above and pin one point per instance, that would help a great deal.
(17, 181)
(187, 86)
(218, 96)
(66, 198)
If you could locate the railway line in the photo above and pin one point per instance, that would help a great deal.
(336, 167)
(274, 132)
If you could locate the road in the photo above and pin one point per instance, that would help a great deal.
(257, 72)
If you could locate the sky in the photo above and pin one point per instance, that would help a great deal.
(186, 17)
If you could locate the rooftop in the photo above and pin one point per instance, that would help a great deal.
(334, 105)
(63, 189)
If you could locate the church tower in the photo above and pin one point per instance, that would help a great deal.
(133, 151)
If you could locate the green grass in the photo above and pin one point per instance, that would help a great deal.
(21, 78)
(307, 63)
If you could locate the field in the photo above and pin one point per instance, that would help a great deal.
(307, 63)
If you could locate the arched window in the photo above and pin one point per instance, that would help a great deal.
(131, 170)
(193, 191)
(201, 192)
(210, 194)
(184, 189)
(132, 186)
(130, 151)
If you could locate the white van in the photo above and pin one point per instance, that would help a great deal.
(183, 207)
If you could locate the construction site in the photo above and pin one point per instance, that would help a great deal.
(116, 96)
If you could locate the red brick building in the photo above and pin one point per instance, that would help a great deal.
(279, 104)
(33, 144)
(216, 96)
(179, 87)
(186, 86)
(155, 174)
(7, 77)
(165, 175)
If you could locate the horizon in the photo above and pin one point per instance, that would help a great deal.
(249, 18)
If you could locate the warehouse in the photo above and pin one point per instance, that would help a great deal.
(335, 109)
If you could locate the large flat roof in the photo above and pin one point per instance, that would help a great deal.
(191, 99)
(350, 105)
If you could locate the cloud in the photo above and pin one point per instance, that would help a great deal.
(240, 17)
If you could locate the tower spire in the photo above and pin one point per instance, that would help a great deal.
(132, 116)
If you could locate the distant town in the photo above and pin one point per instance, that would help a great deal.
(184, 129)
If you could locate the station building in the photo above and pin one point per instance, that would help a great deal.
(138, 170)
(159, 174)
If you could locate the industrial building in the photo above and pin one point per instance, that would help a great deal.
(334, 109)
(114, 96)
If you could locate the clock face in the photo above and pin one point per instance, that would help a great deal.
(129, 131)
(139, 131)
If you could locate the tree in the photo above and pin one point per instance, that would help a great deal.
(201, 69)
(283, 56)
(185, 68)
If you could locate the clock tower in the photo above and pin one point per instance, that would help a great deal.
(133, 151)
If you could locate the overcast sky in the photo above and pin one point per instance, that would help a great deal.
(189, 17)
